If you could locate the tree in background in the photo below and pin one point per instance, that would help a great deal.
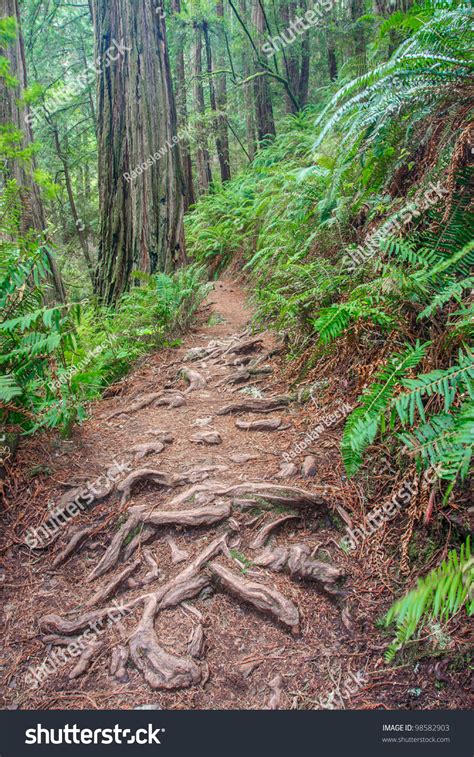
(141, 186)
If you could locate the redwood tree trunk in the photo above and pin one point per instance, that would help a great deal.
(263, 99)
(202, 152)
(182, 108)
(290, 54)
(249, 107)
(221, 90)
(141, 186)
(14, 114)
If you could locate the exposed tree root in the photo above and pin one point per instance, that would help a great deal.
(309, 468)
(199, 516)
(288, 470)
(207, 437)
(142, 537)
(118, 663)
(84, 662)
(177, 555)
(78, 535)
(195, 379)
(148, 448)
(152, 575)
(112, 586)
(244, 347)
(271, 424)
(299, 563)
(177, 400)
(257, 594)
(256, 406)
(146, 400)
(166, 437)
(167, 480)
(197, 642)
(265, 532)
(160, 669)
(275, 698)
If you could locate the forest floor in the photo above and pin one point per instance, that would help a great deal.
(210, 645)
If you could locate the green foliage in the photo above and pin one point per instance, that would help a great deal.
(438, 596)
(364, 422)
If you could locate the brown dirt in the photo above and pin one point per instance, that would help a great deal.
(318, 663)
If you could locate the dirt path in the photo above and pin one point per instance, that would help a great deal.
(190, 634)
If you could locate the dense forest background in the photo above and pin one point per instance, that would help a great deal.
(324, 150)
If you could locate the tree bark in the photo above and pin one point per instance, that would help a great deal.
(290, 54)
(14, 113)
(202, 152)
(249, 107)
(141, 185)
(182, 108)
(262, 94)
(303, 84)
(221, 91)
(357, 10)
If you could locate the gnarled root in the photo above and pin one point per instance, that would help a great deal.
(195, 379)
(206, 437)
(166, 480)
(84, 662)
(197, 642)
(109, 589)
(256, 406)
(272, 424)
(152, 575)
(78, 535)
(299, 563)
(265, 532)
(146, 400)
(118, 663)
(260, 596)
(160, 669)
(177, 555)
(148, 448)
(199, 516)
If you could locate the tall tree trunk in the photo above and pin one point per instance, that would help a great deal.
(262, 94)
(72, 203)
(332, 61)
(182, 108)
(221, 90)
(223, 160)
(141, 186)
(290, 54)
(357, 10)
(249, 107)
(202, 152)
(14, 113)
(303, 84)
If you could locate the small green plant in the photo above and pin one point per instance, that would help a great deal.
(437, 597)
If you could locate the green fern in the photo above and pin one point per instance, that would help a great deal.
(438, 596)
(364, 422)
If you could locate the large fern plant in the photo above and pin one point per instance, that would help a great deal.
(437, 597)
